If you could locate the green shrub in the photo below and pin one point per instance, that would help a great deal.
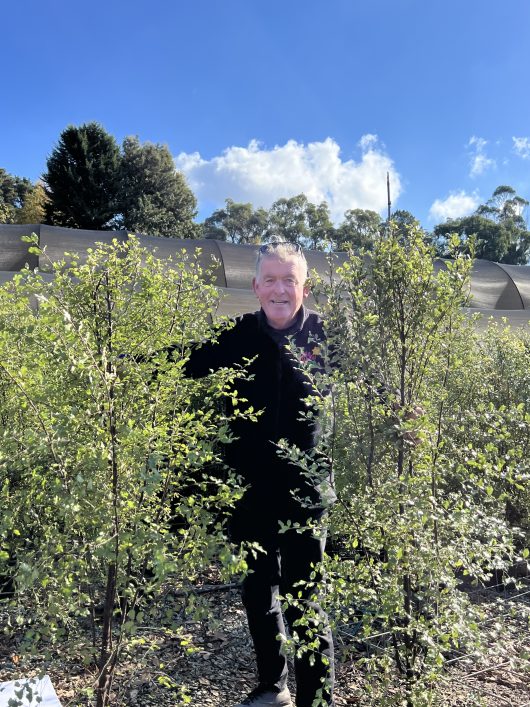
(99, 458)
(421, 499)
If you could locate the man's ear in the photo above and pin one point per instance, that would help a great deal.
(307, 288)
(254, 286)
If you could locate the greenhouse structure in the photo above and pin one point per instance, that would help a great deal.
(497, 290)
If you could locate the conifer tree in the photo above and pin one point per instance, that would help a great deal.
(82, 180)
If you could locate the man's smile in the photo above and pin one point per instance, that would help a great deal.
(280, 287)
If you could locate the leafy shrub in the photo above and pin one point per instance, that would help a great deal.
(99, 457)
(416, 446)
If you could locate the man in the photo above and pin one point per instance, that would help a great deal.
(277, 386)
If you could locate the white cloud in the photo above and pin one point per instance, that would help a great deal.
(455, 205)
(261, 176)
(368, 142)
(521, 147)
(480, 162)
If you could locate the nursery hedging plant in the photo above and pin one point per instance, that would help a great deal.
(490, 419)
(112, 484)
(418, 508)
(113, 488)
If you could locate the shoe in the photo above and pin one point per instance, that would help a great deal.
(263, 697)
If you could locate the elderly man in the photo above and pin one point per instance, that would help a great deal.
(278, 387)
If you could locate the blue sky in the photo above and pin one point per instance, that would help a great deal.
(258, 99)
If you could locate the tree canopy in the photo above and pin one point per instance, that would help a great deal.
(153, 197)
(21, 201)
(82, 180)
(294, 219)
(91, 184)
(297, 220)
(498, 226)
(33, 210)
(237, 223)
(358, 230)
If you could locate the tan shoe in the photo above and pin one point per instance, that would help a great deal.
(263, 697)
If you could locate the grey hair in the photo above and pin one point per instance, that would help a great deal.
(282, 250)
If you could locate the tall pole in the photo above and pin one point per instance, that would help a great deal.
(388, 194)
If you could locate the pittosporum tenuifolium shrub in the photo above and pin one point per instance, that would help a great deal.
(424, 460)
(112, 481)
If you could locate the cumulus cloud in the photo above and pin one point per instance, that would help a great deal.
(521, 147)
(455, 205)
(368, 142)
(480, 162)
(261, 176)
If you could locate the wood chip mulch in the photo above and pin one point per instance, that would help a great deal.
(220, 670)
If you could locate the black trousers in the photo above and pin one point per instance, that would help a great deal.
(289, 558)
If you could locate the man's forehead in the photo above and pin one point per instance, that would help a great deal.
(273, 263)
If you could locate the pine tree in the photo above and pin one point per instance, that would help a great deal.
(83, 178)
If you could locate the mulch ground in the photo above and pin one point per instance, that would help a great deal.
(221, 669)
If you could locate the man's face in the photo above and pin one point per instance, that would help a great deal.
(281, 289)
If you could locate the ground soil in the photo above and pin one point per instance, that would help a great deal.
(221, 669)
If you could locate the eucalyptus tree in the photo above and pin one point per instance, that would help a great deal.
(14, 192)
(358, 230)
(237, 223)
(297, 220)
(499, 228)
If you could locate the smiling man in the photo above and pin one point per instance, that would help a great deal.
(278, 387)
(280, 285)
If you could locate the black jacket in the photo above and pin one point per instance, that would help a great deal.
(275, 385)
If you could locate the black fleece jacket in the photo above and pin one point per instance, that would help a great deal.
(275, 385)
